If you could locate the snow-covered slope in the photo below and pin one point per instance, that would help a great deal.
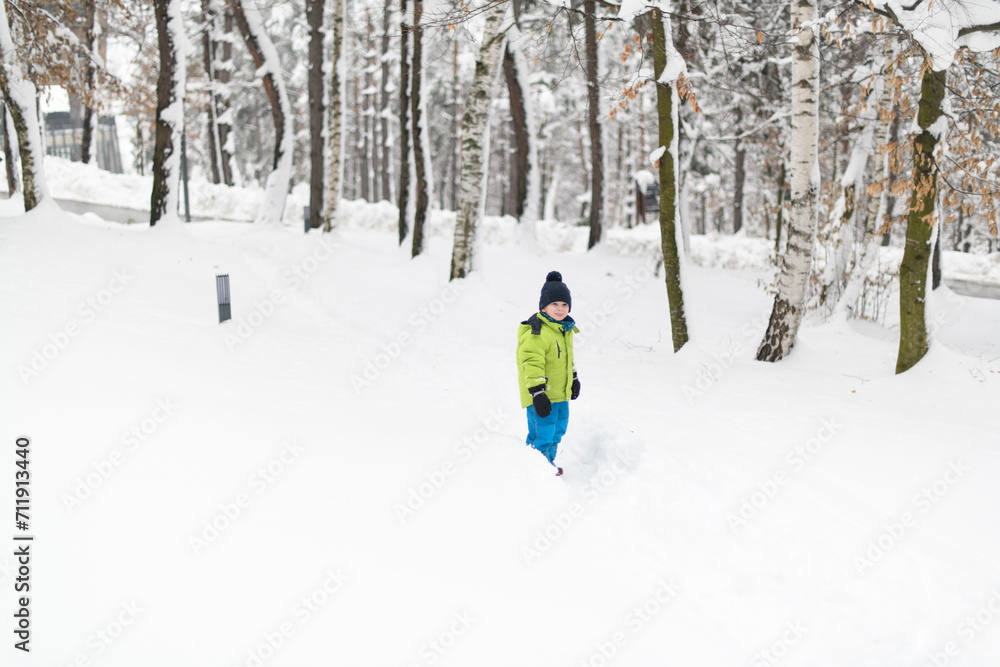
(337, 476)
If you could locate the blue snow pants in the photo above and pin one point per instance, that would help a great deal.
(545, 434)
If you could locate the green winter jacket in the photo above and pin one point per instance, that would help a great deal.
(545, 354)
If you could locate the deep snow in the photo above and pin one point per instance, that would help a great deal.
(337, 476)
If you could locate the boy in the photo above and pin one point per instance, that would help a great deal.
(545, 370)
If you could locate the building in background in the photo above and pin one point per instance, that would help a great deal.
(64, 138)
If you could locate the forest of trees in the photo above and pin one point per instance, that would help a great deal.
(830, 128)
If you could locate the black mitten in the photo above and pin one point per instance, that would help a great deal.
(543, 406)
(575, 388)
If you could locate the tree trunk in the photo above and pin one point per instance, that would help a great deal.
(89, 120)
(519, 180)
(740, 175)
(365, 119)
(169, 112)
(886, 222)
(209, 17)
(789, 302)
(336, 138)
(593, 103)
(21, 98)
(876, 204)
(475, 143)
(218, 56)
(264, 55)
(456, 128)
(314, 17)
(920, 222)
(780, 217)
(419, 138)
(8, 154)
(223, 113)
(667, 104)
(404, 126)
(386, 103)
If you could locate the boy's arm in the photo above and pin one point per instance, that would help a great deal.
(532, 355)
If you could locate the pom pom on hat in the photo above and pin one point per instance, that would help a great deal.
(553, 290)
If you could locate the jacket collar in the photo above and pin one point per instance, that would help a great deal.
(568, 323)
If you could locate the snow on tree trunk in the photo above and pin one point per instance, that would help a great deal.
(789, 302)
(335, 161)
(13, 186)
(265, 58)
(526, 130)
(314, 17)
(385, 104)
(169, 112)
(593, 103)
(552, 193)
(222, 71)
(667, 68)
(475, 142)
(210, 17)
(920, 222)
(20, 96)
(421, 137)
(876, 205)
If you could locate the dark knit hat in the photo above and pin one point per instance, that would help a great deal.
(554, 289)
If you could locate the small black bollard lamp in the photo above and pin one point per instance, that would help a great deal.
(222, 290)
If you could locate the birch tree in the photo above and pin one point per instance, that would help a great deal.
(475, 141)
(265, 58)
(789, 301)
(878, 122)
(20, 95)
(169, 112)
(335, 160)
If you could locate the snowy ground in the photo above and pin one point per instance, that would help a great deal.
(337, 476)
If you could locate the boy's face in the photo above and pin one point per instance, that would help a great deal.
(557, 310)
